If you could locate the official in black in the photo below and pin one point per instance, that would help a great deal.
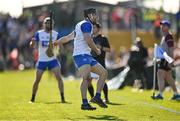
(102, 43)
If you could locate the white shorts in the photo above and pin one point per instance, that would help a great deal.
(94, 76)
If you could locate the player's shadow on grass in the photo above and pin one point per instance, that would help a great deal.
(105, 117)
(111, 103)
(55, 103)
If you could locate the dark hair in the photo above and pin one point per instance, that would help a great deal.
(89, 11)
(98, 25)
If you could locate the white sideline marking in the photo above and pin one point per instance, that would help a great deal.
(151, 105)
(160, 107)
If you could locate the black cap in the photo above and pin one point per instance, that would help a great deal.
(89, 11)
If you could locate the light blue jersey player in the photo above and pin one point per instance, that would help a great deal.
(44, 62)
(83, 44)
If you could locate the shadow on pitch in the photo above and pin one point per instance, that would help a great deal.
(105, 117)
(54, 103)
(111, 103)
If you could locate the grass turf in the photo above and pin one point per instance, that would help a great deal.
(15, 92)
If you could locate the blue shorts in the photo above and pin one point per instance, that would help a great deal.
(84, 59)
(43, 65)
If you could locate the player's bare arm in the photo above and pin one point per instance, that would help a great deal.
(65, 39)
(91, 44)
(171, 49)
(106, 49)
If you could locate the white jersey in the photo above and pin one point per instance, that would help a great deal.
(80, 45)
(42, 37)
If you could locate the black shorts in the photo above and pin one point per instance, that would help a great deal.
(102, 63)
(163, 65)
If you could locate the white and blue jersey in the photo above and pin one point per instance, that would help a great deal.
(80, 45)
(81, 52)
(43, 37)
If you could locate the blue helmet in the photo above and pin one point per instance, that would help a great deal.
(165, 22)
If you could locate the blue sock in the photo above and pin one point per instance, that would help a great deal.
(84, 101)
(98, 95)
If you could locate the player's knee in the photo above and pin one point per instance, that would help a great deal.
(104, 74)
(58, 77)
(36, 82)
(60, 80)
(90, 82)
(87, 77)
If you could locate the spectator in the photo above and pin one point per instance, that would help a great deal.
(157, 30)
(137, 63)
(164, 72)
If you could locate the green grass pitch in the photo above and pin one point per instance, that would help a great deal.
(15, 93)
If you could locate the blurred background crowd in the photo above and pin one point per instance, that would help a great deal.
(131, 27)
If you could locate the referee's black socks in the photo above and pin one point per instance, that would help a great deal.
(91, 90)
(33, 98)
(105, 90)
(62, 96)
